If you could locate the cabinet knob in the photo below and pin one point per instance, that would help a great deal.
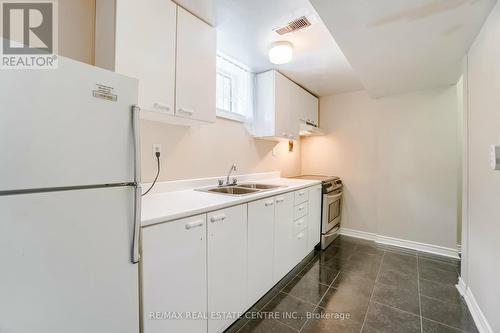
(278, 200)
(268, 203)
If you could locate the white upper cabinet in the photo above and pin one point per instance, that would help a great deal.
(204, 9)
(195, 75)
(308, 112)
(169, 50)
(144, 47)
(280, 106)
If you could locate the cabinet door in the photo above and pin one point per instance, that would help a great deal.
(286, 108)
(312, 109)
(284, 258)
(174, 274)
(195, 76)
(145, 49)
(314, 220)
(260, 248)
(227, 264)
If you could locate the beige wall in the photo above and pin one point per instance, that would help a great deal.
(76, 29)
(398, 158)
(483, 244)
(209, 150)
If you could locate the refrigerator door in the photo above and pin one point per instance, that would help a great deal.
(66, 262)
(63, 127)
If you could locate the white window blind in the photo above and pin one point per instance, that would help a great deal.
(235, 86)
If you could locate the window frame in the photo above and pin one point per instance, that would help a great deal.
(231, 115)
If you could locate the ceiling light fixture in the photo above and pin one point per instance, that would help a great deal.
(281, 52)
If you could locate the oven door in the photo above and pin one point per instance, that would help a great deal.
(332, 210)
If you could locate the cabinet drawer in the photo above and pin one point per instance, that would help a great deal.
(300, 211)
(301, 196)
(300, 224)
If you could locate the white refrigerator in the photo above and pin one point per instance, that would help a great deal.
(69, 204)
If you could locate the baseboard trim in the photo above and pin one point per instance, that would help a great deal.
(479, 318)
(434, 249)
(461, 286)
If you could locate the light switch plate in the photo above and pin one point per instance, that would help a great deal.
(495, 157)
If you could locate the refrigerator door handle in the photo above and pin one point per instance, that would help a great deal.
(136, 256)
(137, 144)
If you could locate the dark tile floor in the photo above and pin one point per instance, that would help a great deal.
(360, 286)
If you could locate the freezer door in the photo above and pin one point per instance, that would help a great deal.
(55, 133)
(66, 262)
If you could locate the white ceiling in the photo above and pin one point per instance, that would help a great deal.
(400, 45)
(245, 33)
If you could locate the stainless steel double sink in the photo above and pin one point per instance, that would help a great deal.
(239, 189)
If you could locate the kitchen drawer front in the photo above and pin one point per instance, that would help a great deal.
(300, 224)
(300, 210)
(301, 196)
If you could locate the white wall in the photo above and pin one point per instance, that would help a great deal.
(483, 245)
(209, 150)
(398, 159)
(76, 29)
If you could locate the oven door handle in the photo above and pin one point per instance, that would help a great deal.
(334, 197)
(332, 232)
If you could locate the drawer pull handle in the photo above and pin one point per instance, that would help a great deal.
(302, 193)
(195, 224)
(301, 208)
(185, 111)
(269, 203)
(216, 218)
(161, 107)
(278, 200)
(300, 236)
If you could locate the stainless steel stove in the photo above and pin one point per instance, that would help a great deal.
(331, 207)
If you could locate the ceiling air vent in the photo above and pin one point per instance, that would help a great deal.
(300, 23)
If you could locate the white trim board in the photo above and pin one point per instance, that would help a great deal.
(429, 248)
(479, 318)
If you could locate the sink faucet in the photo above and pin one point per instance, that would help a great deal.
(233, 168)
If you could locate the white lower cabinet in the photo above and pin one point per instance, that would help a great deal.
(227, 265)
(222, 262)
(174, 275)
(260, 248)
(314, 219)
(283, 236)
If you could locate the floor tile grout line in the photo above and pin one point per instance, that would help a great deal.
(373, 290)
(395, 308)
(319, 302)
(419, 297)
(440, 323)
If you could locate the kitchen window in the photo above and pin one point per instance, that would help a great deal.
(235, 87)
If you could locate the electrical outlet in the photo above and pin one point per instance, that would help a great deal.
(156, 149)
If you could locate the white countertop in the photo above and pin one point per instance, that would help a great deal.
(159, 207)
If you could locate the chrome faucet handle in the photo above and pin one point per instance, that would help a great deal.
(235, 181)
(221, 182)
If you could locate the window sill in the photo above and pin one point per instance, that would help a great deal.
(231, 116)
